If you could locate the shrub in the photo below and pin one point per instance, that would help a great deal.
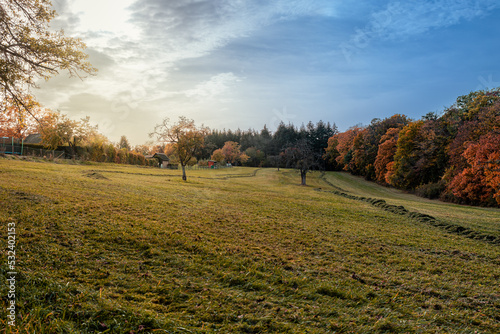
(431, 190)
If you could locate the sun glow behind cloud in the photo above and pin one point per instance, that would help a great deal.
(106, 17)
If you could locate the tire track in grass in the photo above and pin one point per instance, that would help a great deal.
(420, 217)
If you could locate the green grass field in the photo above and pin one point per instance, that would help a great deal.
(119, 249)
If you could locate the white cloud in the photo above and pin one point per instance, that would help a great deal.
(106, 17)
(215, 87)
(192, 29)
(400, 20)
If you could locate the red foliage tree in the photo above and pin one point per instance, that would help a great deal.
(479, 183)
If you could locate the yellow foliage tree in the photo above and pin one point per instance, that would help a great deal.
(30, 51)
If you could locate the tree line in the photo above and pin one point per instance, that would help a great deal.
(263, 147)
(454, 156)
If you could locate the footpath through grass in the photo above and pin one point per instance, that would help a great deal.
(120, 249)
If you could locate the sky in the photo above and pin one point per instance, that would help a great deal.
(232, 64)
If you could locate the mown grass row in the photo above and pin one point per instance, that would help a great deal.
(479, 219)
(421, 217)
(120, 249)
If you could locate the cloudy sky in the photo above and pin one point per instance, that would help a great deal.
(242, 64)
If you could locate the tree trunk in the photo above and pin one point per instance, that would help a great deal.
(72, 148)
(184, 178)
(303, 174)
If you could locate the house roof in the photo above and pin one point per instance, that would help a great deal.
(161, 156)
(35, 138)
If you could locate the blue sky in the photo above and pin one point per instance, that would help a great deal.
(242, 64)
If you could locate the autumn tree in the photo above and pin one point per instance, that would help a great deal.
(433, 159)
(30, 51)
(97, 148)
(59, 130)
(406, 156)
(385, 156)
(144, 149)
(232, 153)
(358, 164)
(479, 183)
(218, 155)
(185, 136)
(475, 115)
(474, 174)
(332, 153)
(341, 147)
(367, 146)
(16, 122)
(454, 156)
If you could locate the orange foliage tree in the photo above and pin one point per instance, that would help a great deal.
(231, 153)
(455, 156)
(473, 116)
(16, 122)
(385, 156)
(341, 147)
(217, 155)
(366, 145)
(186, 137)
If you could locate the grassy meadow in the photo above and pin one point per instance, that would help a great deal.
(105, 248)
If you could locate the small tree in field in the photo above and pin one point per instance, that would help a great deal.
(185, 136)
(301, 156)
